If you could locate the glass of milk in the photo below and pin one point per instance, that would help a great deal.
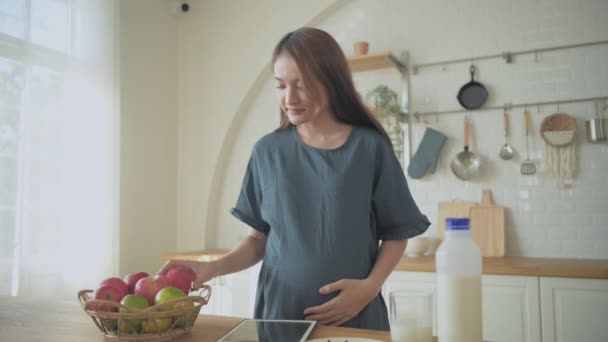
(411, 316)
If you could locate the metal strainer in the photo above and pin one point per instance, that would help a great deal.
(527, 167)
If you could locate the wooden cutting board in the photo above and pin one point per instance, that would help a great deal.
(452, 209)
(488, 226)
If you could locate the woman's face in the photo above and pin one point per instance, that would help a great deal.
(296, 99)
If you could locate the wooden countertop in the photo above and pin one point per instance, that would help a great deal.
(26, 320)
(202, 255)
(549, 267)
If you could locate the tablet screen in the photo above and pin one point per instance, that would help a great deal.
(252, 330)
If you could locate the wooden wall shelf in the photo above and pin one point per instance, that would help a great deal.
(375, 61)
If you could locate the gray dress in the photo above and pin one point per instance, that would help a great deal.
(324, 212)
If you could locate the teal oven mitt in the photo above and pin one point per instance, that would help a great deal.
(427, 154)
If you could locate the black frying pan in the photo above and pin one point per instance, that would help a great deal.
(473, 94)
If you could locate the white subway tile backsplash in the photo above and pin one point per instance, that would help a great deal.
(578, 249)
(532, 207)
(545, 193)
(547, 247)
(600, 250)
(532, 232)
(560, 207)
(590, 207)
(524, 247)
(547, 219)
(601, 220)
(561, 233)
(591, 232)
(600, 194)
(569, 193)
(578, 220)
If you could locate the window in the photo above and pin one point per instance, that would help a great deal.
(54, 114)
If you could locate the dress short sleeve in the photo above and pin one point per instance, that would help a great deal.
(396, 214)
(249, 203)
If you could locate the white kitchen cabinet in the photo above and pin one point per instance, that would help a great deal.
(219, 293)
(511, 308)
(233, 294)
(574, 309)
(510, 303)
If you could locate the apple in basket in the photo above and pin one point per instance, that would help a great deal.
(132, 278)
(149, 287)
(162, 324)
(170, 293)
(132, 326)
(157, 325)
(118, 283)
(180, 278)
(106, 292)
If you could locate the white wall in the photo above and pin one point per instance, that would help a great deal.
(541, 219)
(223, 48)
(148, 134)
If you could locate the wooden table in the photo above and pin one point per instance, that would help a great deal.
(26, 320)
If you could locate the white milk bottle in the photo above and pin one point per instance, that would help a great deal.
(458, 263)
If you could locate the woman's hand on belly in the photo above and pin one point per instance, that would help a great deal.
(354, 295)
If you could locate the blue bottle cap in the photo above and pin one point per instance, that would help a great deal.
(457, 223)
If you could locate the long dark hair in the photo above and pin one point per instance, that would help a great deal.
(322, 62)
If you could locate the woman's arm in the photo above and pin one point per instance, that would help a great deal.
(388, 256)
(245, 254)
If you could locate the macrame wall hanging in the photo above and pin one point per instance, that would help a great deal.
(559, 134)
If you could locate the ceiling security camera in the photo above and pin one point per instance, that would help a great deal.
(185, 7)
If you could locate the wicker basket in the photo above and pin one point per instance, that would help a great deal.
(161, 322)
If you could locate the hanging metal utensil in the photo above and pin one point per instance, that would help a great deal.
(506, 151)
(527, 167)
(597, 129)
(466, 164)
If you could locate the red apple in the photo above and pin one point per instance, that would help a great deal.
(181, 279)
(149, 287)
(118, 284)
(132, 278)
(106, 292)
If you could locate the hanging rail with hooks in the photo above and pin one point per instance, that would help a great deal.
(510, 106)
(507, 55)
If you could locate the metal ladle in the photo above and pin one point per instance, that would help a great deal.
(466, 164)
(506, 151)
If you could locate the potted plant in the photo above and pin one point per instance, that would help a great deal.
(387, 109)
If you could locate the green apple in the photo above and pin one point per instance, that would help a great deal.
(157, 325)
(167, 294)
(182, 320)
(109, 324)
(132, 326)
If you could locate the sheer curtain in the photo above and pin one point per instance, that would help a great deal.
(58, 145)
